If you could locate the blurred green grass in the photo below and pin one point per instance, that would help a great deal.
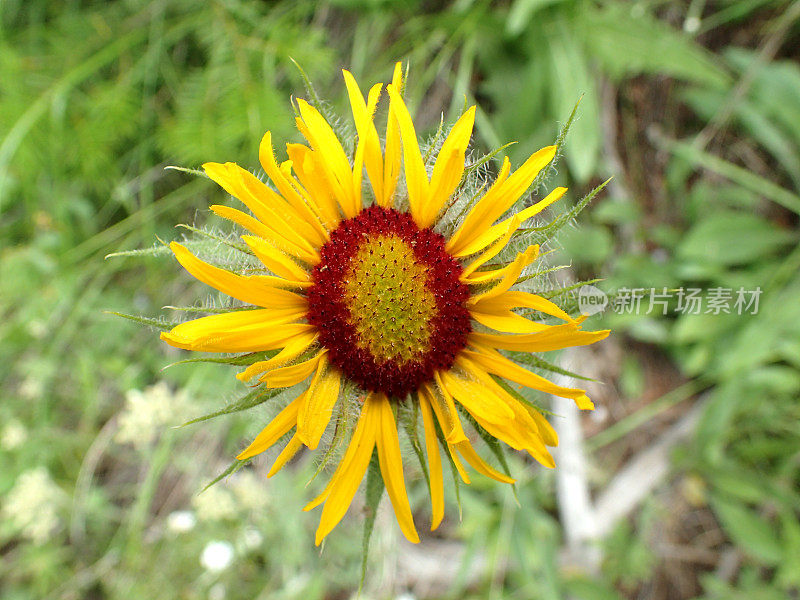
(692, 106)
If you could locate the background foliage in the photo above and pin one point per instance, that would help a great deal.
(692, 106)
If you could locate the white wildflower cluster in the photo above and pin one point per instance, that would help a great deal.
(217, 503)
(147, 412)
(246, 491)
(13, 435)
(250, 490)
(32, 505)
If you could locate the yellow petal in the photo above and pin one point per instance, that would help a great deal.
(449, 167)
(367, 134)
(416, 176)
(286, 455)
(498, 200)
(445, 410)
(278, 427)
(476, 398)
(294, 374)
(493, 251)
(252, 289)
(270, 208)
(508, 275)
(392, 152)
(316, 413)
(553, 338)
(521, 433)
(391, 464)
(472, 457)
(546, 431)
(304, 164)
(500, 304)
(508, 322)
(434, 462)
(307, 254)
(348, 476)
(496, 363)
(307, 213)
(244, 331)
(355, 442)
(275, 260)
(293, 349)
(495, 231)
(336, 167)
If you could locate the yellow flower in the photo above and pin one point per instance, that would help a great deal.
(362, 288)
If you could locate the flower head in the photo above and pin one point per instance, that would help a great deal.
(363, 286)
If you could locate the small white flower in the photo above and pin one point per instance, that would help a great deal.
(31, 387)
(31, 506)
(147, 412)
(181, 521)
(252, 538)
(215, 504)
(250, 490)
(216, 556)
(14, 435)
(217, 592)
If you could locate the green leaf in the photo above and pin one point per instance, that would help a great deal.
(587, 244)
(249, 400)
(587, 589)
(374, 493)
(732, 238)
(753, 534)
(569, 79)
(628, 42)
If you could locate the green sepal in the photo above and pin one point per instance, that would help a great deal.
(249, 400)
(338, 437)
(218, 238)
(550, 294)
(433, 142)
(373, 493)
(315, 101)
(493, 445)
(539, 363)
(549, 230)
(232, 468)
(410, 423)
(157, 250)
(196, 172)
(157, 322)
(485, 158)
(453, 469)
(241, 360)
(560, 138)
(212, 309)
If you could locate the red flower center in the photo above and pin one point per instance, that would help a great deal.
(388, 303)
